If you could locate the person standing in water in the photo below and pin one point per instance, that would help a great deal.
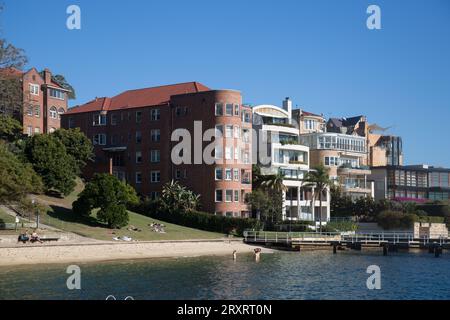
(234, 255)
(257, 254)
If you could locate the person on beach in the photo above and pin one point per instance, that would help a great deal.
(35, 237)
(23, 237)
(234, 255)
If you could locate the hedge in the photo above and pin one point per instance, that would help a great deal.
(441, 210)
(199, 220)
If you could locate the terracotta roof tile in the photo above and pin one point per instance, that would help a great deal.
(139, 97)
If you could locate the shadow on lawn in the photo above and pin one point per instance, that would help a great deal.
(67, 215)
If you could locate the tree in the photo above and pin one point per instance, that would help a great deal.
(10, 128)
(63, 83)
(77, 146)
(318, 179)
(50, 160)
(110, 195)
(12, 59)
(17, 178)
(176, 198)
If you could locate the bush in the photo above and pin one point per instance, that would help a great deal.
(196, 219)
(116, 216)
(396, 220)
(341, 226)
(435, 209)
(294, 226)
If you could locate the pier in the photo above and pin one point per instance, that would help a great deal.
(388, 241)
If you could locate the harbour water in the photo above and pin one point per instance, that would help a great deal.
(279, 275)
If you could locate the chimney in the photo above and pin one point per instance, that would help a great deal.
(47, 76)
(287, 105)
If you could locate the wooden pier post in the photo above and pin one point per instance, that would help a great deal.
(334, 248)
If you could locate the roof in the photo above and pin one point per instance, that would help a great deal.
(139, 98)
(345, 122)
(11, 72)
(306, 113)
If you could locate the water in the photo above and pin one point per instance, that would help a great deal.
(281, 275)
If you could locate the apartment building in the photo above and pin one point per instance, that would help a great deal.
(43, 100)
(384, 150)
(279, 150)
(341, 147)
(418, 183)
(132, 131)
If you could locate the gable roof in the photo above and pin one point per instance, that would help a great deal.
(139, 98)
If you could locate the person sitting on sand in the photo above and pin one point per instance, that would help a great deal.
(23, 237)
(35, 237)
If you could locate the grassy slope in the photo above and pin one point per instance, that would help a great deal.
(6, 218)
(60, 216)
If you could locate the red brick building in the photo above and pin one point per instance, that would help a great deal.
(132, 132)
(44, 100)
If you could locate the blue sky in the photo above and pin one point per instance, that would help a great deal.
(319, 53)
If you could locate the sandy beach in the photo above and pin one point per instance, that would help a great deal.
(91, 252)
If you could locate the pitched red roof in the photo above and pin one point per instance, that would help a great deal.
(306, 113)
(139, 98)
(11, 72)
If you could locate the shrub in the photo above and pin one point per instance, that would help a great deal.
(116, 216)
(196, 219)
(435, 209)
(390, 219)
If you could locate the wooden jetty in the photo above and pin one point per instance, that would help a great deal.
(388, 241)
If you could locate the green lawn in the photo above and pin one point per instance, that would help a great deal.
(64, 219)
(60, 215)
(6, 218)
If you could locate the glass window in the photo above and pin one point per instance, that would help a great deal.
(228, 174)
(99, 139)
(138, 137)
(58, 94)
(113, 119)
(228, 195)
(37, 111)
(34, 89)
(236, 174)
(229, 109)
(219, 109)
(219, 195)
(155, 176)
(53, 113)
(219, 174)
(236, 195)
(237, 132)
(99, 119)
(155, 156)
(138, 177)
(236, 110)
(156, 135)
(155, 114)
(228, 131)
(138, 116)
(228, 153)
(138, 157)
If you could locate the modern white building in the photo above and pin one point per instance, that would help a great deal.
(279, 150)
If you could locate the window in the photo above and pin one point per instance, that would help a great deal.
(138, 157)
(246, 135)
(155, 156)
(218, 152)
(331, 161)
(178, 111)
(228, 195)
(236, 174)
(228, 153)
(113, 119)
(219, 109)
(30, 130)
(34, 89)
(236, 195)
(138, 116)
(55, 93)
(30, 111)
(37, 130)
(155, 114)
(219, 174)
(154, 195)
(61, 111)
(219, 195)
(228, 131)
(138, 177)
(229, 109)
(155, 176)
(236, 153)
(237, 132)
(138, 137)
(99, 119)
(219, 131)
(37, 111)
(156, 135)
(310, 124)
(53, 113)
(228, 174)
(99, 139)
(236, 110)
(247, 117)
(71, 122)
(185, 175)
(177, 174)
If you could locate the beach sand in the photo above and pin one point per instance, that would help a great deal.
(108, 251)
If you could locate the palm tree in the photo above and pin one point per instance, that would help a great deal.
(274, 183)
(318, 179)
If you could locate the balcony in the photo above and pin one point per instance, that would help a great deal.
(348, 169)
